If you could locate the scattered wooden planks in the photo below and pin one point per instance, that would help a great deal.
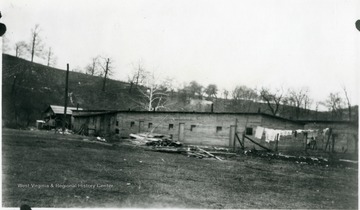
(208, 153)
(151, 139)
(190, 152)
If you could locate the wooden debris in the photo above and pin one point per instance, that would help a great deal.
(166, 149)
(349, 161)
(220, 149)
(164, 143)
(223, 153)
(267, 149)
(152, 139)
(208, 153)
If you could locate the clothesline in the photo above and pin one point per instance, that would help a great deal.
(275, 134)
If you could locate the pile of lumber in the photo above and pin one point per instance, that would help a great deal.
(164, 143)
(153, 139)
(188, 151)
(200, 153)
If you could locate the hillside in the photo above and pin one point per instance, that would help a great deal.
(28, 88)
(285, 111)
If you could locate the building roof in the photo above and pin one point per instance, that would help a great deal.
(60, 109)
(98, 112)
(88, 113)
(346, 122)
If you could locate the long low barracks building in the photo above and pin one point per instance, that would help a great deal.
(204, 128)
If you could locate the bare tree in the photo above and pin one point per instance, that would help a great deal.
(297, 98)
(243, 98)
(317, 104)
(272, 99)
(211, 90)
(36, 46)
(51, 59)
(335, 104)
(307, 103)
(348, 102)
(107, 70)
(195, 89)
(92, 68)
(138, 75)
(243, 93)
(168, 85)
(225, 93)
(20, 48)
(154, 94)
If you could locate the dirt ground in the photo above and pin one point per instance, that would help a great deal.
(43, 169)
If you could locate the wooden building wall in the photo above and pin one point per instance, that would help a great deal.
(214, 129)
(346, 134)
(199, 129)
(285, 143)
(100, 125)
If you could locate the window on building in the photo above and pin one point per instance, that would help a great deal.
(117, 123)
(150, 125)
(117, 131)
(249, 131)
(132, 123)
(171, 126)
(192, 127)
(218, 128)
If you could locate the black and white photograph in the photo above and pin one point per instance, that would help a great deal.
(186, 104)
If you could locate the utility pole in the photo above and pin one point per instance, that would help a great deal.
(106, 73)
(66, 97)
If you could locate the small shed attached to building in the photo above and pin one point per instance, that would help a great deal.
(53, 116)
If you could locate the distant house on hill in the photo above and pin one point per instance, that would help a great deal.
(200, 105)
(53, 116)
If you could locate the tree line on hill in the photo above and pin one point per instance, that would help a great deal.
(33, 48)
(29, 87)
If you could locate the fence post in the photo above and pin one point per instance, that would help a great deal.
(276, 142)
(232, 137)
(236, 126)
(333, 144)
(243, 141)
(328, 139)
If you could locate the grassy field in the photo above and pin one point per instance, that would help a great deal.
(47, 170)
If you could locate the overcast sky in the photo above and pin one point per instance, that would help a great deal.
(272, 43)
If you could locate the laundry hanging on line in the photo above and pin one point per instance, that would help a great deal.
(271, 134)
(325, 131)
(259, 132)
(275, 134)
(311, 134)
